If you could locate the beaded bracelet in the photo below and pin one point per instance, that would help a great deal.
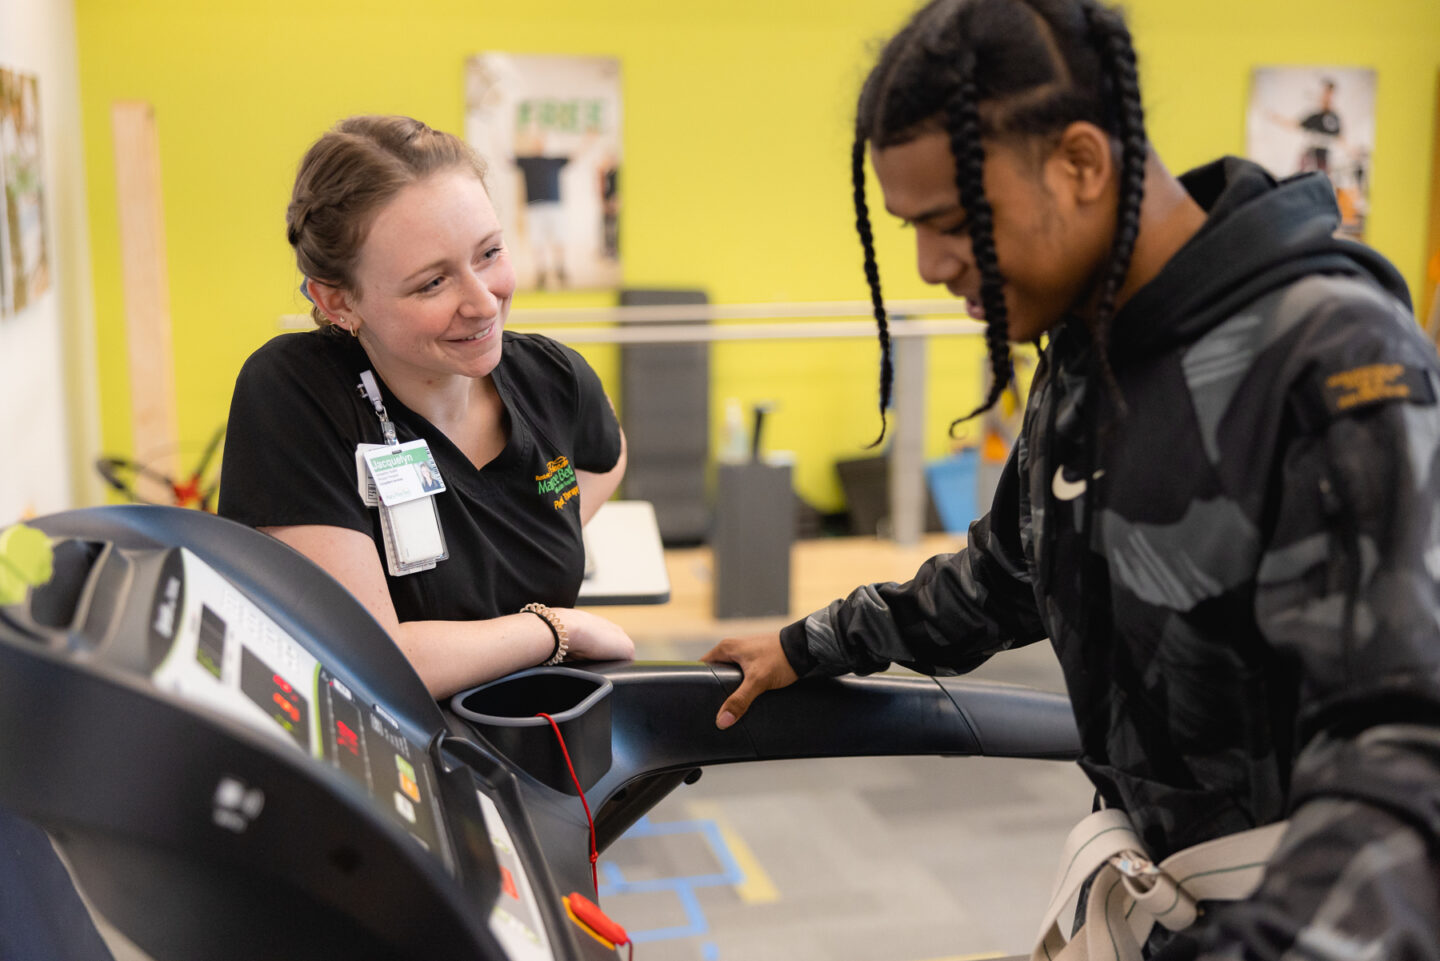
(557, 629)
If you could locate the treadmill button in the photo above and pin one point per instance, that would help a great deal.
(507, 883)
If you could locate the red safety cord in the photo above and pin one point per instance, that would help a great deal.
(594, 854)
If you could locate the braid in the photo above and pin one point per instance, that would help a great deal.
(1118, 59)
(962, 123)
(1009, 69)
(872, 278)
(296, 217)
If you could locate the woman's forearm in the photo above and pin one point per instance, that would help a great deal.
(450, 656)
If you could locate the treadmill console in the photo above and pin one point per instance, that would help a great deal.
(289, 741)
(208, 643)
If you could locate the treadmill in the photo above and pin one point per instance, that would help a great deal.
(238, 763)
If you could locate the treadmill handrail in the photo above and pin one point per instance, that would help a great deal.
(663, 727)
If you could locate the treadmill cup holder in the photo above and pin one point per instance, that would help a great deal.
(505, 713)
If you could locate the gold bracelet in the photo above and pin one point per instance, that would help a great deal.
(557, 628)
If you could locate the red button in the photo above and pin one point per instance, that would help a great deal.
(507, 883)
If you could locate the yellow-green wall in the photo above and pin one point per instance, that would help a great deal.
(736, 159)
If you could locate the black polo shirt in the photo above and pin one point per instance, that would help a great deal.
(512, 533)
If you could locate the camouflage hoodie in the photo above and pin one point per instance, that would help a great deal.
(1238, 571)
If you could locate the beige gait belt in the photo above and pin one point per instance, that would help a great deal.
(1131, 893)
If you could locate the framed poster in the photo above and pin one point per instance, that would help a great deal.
(1317, 118)
(549, 129)
(24, 256)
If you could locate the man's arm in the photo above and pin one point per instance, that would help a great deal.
(953, 614)
(1349, 591)
(956, 611)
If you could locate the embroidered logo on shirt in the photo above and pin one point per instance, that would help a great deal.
(558, 482)
(1374, 383)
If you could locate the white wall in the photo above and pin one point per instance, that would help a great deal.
(48, 417)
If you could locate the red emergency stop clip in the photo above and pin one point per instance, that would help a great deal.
(595, 922)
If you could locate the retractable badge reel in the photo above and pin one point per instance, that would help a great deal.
(402, 481)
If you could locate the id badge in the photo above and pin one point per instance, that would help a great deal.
(403, 472)
(409, 519)
(414, 541)
(363, 481)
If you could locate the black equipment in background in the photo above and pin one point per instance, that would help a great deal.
(665, 410)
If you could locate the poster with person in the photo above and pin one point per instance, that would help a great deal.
(24, 251)
(1317, 118)
(549, 127)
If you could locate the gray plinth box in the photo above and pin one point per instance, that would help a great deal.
(754, 528)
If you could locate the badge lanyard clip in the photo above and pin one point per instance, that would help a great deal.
(371, 392)
(413, 539)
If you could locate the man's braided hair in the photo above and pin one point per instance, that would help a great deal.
(977, 69)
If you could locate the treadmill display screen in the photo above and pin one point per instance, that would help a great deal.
(276, 696)
(368, 746)
(223, 651)
(210, 649)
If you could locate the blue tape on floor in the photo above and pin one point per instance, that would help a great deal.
(613, 881)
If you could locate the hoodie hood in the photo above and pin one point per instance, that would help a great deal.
(1260, 234)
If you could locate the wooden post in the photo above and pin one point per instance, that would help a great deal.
(147, 290)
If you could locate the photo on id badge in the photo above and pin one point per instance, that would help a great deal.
(429, 477)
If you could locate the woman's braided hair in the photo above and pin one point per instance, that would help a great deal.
(976, 69)
(347, 175)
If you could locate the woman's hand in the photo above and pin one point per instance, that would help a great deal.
(762, 661)
(593, 638)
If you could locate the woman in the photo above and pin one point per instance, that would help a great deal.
(1224, 508)
(404, 261)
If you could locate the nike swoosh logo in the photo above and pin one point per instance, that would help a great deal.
(1068, 490)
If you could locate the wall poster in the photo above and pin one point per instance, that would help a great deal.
(549, 128)
(24, 258)
(1317, 118)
